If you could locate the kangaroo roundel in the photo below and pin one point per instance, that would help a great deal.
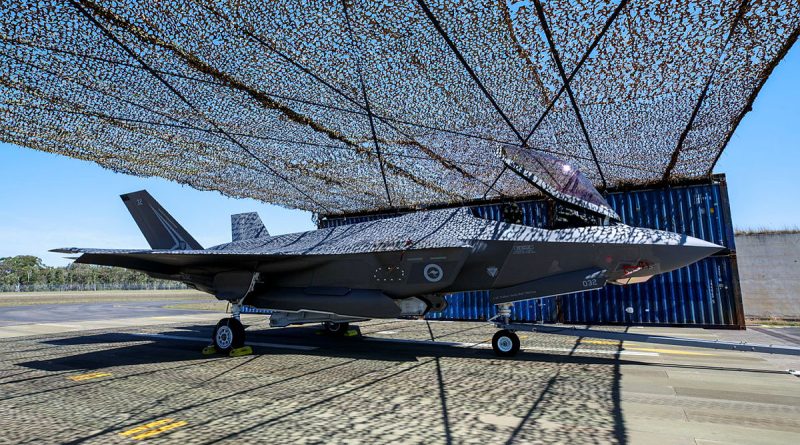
(433, 273)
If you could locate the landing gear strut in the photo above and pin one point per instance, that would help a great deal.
(337, 329)
(505, 342)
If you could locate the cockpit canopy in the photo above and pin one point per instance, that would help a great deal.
(558, 179)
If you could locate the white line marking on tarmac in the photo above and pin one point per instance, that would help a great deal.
(592, 351)
(205, 340)
(527, 348)
(420, 342)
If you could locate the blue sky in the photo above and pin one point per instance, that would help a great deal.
(49, 201)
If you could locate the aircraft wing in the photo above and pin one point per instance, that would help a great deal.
(168, 261)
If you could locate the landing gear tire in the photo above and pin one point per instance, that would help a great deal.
(505, 343)
(336, 329)
(228, 334)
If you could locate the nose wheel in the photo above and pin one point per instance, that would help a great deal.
(228, 334)
(505, 343)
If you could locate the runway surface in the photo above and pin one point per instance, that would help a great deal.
(58, 313)
(137, 374)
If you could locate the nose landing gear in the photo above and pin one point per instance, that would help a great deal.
(505, 342)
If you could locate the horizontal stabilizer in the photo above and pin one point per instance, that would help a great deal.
(565, 283)
(159, 227)
(247, 226)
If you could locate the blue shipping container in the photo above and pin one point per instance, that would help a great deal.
(706, 293)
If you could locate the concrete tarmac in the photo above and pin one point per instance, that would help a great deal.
(134, 376)
(59, 313)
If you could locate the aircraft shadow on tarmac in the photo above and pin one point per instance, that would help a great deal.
(549, 380)
(564, 389)
(160, 348)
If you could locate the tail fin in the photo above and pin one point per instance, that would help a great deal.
(158, 226)
(247, 226)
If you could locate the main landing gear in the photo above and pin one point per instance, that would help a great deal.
(228, 336)
(505, 342)
(336, 329)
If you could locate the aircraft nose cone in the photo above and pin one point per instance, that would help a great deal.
(687, 252)
(697, 242)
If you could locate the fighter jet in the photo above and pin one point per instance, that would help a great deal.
(404, 266)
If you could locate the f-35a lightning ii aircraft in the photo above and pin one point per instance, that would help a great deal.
(403, 266)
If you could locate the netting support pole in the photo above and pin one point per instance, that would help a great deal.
(578, 66)
(382, 119)
(77, 5)
(505, 167)
(575, 107)
(366, 105)
(682, 139)
(466, 65)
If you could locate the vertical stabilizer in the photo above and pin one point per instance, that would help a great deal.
(159, 227)
(247, 226)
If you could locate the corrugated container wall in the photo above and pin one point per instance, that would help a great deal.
(704, 294)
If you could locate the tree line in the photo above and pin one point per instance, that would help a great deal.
(28, 273)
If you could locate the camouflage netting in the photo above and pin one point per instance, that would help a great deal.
(359, 105)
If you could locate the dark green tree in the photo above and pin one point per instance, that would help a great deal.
(26, 272)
